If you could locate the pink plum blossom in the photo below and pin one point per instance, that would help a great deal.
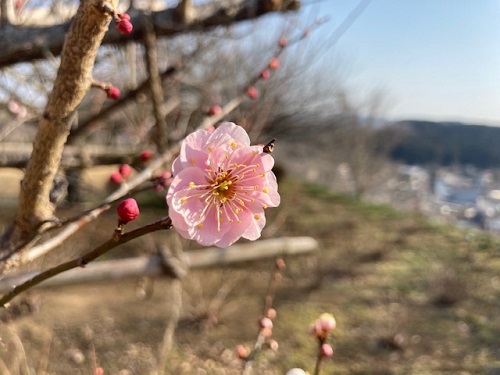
(221, 187)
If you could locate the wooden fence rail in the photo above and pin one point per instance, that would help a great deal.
(154, 266)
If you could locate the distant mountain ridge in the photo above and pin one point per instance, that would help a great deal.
(447, 143)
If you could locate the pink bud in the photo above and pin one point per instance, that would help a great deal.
(252, 93)
(214, 110)
(266, 332)
(272, 313)
(283, 42)
(128, 210)
(265, 322)
(280, 264)
(116, 178)
(124, 25)
(210, 129)
(99, 371)
(307, 32)
(125, 170)
(113, 92)
(273, 345)
(265, 74)
(146, 155)
(242, 351)
(327, 322)
(274, 64)
(326, 350)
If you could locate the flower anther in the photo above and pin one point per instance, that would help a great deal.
(221, 188)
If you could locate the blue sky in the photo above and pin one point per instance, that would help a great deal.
(436, 59)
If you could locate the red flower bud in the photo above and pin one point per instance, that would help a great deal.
(124, 25)
(274, 64)
(128, 210)
(252, 93)
(146, 155)
(283, 42)
(116, 178)
(125, 170)
(214, 110)
(265, 74)
(113, 92)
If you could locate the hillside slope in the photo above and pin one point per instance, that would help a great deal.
(409, 296)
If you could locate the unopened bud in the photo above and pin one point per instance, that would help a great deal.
(265, 74)
(113, 92)
(272, 313)
(273, 345)
(252, 93)
(274, 64)
(125, 170)
(146, 155)
(127, 210)
(280, 264)
(326, 350)
(115, 178)
(242, 351)
(123, 23)
(215, 110)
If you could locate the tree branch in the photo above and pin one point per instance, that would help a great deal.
(30, 43)
(155, 85)
(118, 239)
(72, 82)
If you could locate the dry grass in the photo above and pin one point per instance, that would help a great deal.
(380, 272)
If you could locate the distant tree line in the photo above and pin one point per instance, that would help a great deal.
(446, 143)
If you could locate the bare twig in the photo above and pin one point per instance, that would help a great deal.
(118, 239)
(155, 85)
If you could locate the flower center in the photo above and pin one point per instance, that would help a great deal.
(222, 187)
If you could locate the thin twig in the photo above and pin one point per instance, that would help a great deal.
(118, 239)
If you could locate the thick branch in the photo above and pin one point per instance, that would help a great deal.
(72, 82)
(26, 44)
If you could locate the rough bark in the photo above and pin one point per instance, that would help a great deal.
(22, 44)
(72, 82)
